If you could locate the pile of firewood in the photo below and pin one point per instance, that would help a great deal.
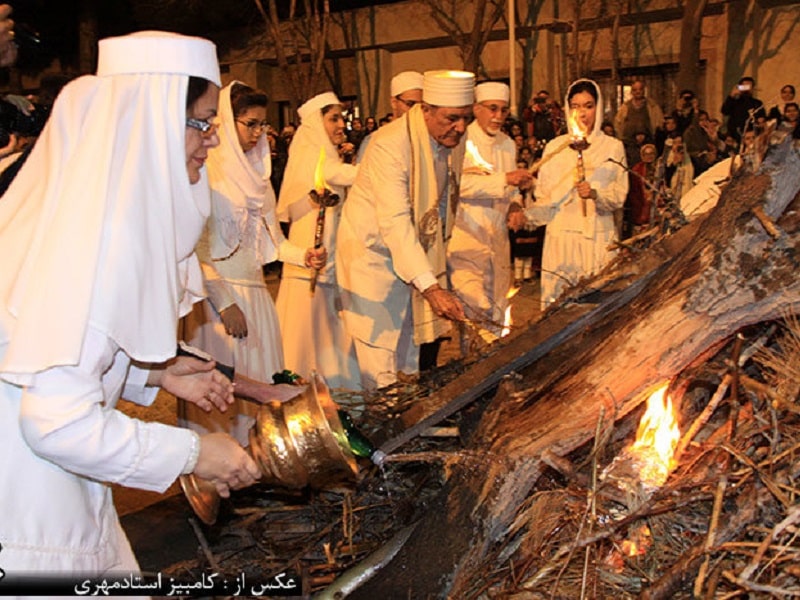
(724, 524)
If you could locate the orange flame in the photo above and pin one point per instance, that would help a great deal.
(319, 179)
(478, 163)
(507, 316)
(575, 126)
(657, 438)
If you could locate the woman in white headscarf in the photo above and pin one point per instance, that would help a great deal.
(579, 214)
(314, 338)
(238, 324)
(97, 235)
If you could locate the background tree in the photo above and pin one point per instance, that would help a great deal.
(300, 43)
(450, 16)
(691, 33)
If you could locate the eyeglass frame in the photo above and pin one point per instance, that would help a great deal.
(408, 103)
(495, 108)
(254, 125)
(204, 127)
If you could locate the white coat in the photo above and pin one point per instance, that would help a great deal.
(379, 253)
(478, 255)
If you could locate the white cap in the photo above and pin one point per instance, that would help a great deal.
(158, 52)
(492, 90)
(317, 103)
(448, 88)
(407, 80)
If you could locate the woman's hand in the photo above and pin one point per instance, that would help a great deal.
(197, 381)
(316, 257)
(225, 463)
(585, 190)
(234, 321)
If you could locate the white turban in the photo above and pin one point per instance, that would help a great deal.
(492, 90)
(407, 80)
(448, 88)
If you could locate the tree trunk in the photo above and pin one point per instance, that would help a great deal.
(712, 278)
(691, 33)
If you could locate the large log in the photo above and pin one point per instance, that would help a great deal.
(726, 273)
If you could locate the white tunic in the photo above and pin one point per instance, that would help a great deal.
(576, 246)
(478, 256)
(314, 337)
(63, 440)
(379, 253)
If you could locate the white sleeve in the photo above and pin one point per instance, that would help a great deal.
(65, 417)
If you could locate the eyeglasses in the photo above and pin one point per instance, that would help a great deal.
(205, 128)
(253, 125)
(494, 108)
(408, 103)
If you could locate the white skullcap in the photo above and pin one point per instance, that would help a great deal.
(158, 52)
(407, 80)
(316, 104)
(492, 90)
(448, 88)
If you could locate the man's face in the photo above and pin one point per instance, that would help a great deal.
(491, 115)
(402, 103)
(637, 90)
(447, 125)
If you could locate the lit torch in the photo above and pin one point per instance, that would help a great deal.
(579, 143)
(323, 198)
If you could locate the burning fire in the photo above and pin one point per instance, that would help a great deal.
(507, 317)
(656, 439)
(319, 179)
(575, 126)
(478, 164)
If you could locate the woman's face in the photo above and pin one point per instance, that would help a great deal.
(198, 142)
(334, 125)
(250, 124)
(585, 109)
(786, 94)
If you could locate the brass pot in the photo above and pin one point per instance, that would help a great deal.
(296, 443)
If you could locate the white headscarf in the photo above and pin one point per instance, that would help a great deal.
(100, 224)
(237, 186)
(598, 117)
(304, 153)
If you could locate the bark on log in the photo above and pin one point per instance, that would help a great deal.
(722, 275)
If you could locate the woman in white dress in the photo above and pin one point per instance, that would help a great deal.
(238, 324)
(97, 235)
(314, 338)
(579, 214)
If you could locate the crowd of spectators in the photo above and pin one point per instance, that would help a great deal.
(667, 145)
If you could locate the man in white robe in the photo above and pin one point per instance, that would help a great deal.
(478, 256)
(406, 91)
(391, 262)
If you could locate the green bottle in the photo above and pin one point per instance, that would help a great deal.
(358, 442)
(286, 376)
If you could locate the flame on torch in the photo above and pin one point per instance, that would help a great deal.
(657, 438)
(575, 126)
(319, 179)
(477, 164)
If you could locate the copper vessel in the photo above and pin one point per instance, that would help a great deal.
(296, 443)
